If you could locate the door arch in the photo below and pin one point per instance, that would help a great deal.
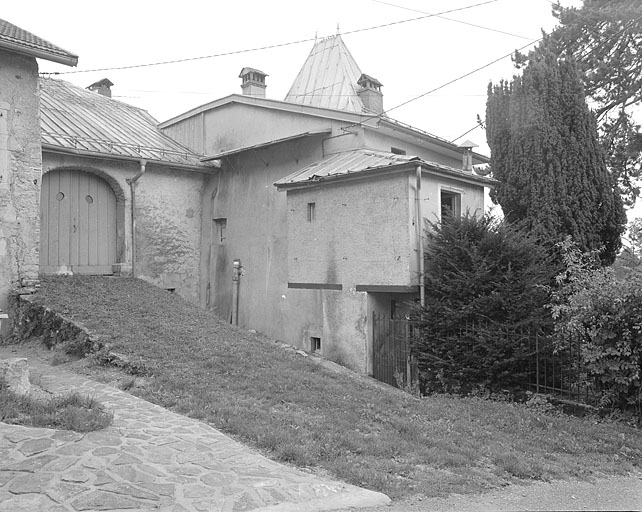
(77, 223)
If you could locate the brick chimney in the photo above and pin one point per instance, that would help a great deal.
(102, 87)
(370, 93)
(253, 82)
(467, 158)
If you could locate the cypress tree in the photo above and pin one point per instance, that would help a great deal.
(546, 155)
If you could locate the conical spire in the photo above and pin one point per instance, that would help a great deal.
(328, 78)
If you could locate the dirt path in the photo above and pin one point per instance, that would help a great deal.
(614, 493)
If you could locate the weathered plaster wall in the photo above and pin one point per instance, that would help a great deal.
(383, 142)
(168, 229)
(237, 125)
(359, 235)
(20, 172)
(168, 218)
(256, 233)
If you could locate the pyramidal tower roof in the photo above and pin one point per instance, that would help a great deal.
(328, 78)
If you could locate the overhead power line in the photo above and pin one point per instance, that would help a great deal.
(454, 20)
(267, 47)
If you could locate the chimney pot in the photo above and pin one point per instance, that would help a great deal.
(467, 158)
(102, 87)
(253, 82)
(370, 94)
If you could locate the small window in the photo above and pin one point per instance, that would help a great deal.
(312, 215)
(450, 204)
(315, 344)
(220, 227)
(397, 151)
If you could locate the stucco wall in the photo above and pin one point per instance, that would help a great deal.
(20, 172)
(168, 218)
(168, 229)
(359, 235)
(256, 233)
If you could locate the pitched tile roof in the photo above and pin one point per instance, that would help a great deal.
(17, 40)
(76, 119)
(328, 78)
(362, 161)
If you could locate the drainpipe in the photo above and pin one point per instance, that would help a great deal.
(236, 278)
(420, 239)
(132, 188)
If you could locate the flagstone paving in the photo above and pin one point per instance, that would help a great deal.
(150, 459)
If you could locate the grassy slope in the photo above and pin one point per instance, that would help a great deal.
(302, 413)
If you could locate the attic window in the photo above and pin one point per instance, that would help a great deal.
(397, 151)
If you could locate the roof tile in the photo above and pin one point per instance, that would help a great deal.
(19, 40)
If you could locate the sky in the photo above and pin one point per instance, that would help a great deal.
(415, 56)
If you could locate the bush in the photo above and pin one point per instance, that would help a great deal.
(604, 313)
(486, 289)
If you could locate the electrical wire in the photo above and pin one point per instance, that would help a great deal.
(456, 21)
(267, 47)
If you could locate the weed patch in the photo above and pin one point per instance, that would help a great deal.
(71, 411)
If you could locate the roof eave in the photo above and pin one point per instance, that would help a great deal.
(386, 169)
(68, 60)
(52, 148)
(223, 154)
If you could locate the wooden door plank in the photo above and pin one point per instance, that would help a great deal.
(83, 227)
(43, 252)
(64, 223)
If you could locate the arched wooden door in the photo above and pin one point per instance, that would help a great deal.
(77, 223)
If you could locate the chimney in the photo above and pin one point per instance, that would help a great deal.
(102, 87)
(467, 158)
(370, 94)
(253, 82)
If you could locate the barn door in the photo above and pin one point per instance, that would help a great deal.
(77, 223)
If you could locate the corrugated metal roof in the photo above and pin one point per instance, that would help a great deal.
(342, 164)
(360, 161)
(73, 118)
(328, 78)
(18, 40)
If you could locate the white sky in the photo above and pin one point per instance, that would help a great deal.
(409, 58)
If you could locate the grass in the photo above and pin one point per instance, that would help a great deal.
(299, 412)
(71, 411)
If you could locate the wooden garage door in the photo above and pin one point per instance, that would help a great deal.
(77, 223)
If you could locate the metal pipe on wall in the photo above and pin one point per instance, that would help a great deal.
(420, 238)
(236, 278)
(132, 188)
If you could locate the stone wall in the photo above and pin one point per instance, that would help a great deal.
(20, 173)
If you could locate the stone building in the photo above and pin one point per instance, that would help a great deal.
(20, 155)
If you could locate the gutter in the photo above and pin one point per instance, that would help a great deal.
(68, 59)
(51, 148)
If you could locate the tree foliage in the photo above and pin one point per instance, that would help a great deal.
(603, 313)
(546, 156)
(605, 39)
(491, 274)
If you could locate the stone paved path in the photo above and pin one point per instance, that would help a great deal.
(150, 459)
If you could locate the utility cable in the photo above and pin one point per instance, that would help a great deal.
(456, 21)
(267, 47)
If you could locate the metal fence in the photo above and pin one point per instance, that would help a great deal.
(393, 362)
(547, 367)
